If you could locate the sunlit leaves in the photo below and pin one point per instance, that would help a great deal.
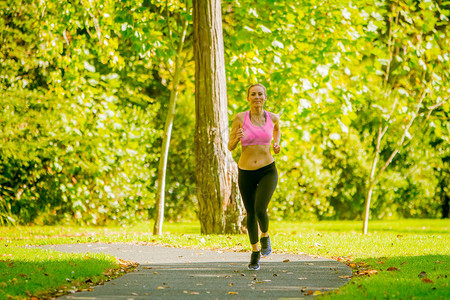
(334, 72)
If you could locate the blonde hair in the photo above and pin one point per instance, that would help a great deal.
(256, 84)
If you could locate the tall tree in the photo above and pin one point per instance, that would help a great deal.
(413, 76)
(174, 89)
(220, 209)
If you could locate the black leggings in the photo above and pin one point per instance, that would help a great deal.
(257, 187)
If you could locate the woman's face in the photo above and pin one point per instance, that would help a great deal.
(256, 96)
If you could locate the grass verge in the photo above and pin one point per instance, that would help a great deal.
(27, 273)
(407, 259)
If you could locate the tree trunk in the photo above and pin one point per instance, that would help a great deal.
(160, 193)
(372, 183)
(367, 208)
(220, 208)
(444, 196)
(374, 176)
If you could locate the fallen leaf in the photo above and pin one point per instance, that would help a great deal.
(22, 275)
(309, 293)
(316, 293)
(160, 287)
(422, 274)
(353, 266)
(345, 276)
(275, 275)
(399, 236)
(366, 272)
(233, 293)
(135, 294)
(194, 293)
(230, 284)
(147, 267)
(286, 260)
(392, 269)
(403, 263)
(427, 280)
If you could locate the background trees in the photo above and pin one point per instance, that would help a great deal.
(86, 90)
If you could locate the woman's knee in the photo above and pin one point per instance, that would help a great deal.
(261, 214)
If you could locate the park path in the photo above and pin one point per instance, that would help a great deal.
(180, 273)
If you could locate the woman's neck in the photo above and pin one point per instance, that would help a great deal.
(257, 112)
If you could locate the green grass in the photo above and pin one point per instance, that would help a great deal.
(41, 273)
(406, 248)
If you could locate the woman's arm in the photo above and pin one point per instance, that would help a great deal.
(276, 133)
(236, 133)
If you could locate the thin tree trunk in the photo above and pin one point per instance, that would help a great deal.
(367, 208)
(375, 176)
(160, 193)
(371, 184)
(220, 208)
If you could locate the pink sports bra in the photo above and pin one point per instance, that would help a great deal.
(257, 135)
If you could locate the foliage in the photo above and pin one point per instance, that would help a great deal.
(85, 91)
(95, 164)
(334, 89)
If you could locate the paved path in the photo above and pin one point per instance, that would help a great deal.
(176, 273)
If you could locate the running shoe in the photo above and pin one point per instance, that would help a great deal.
(266, 248)
(254, 261)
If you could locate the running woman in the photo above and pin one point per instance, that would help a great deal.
(257, 176)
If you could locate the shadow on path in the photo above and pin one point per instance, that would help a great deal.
(175, 273)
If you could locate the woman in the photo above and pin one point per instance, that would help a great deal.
(258, 176)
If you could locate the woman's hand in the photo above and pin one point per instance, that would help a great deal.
(239, 134)
(276, 148)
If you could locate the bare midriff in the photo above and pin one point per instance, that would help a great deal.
(254, 157)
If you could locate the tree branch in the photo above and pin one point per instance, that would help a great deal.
(438, 104)
(390, 48)
(168, 24)
(97, 27)
(405, 132)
